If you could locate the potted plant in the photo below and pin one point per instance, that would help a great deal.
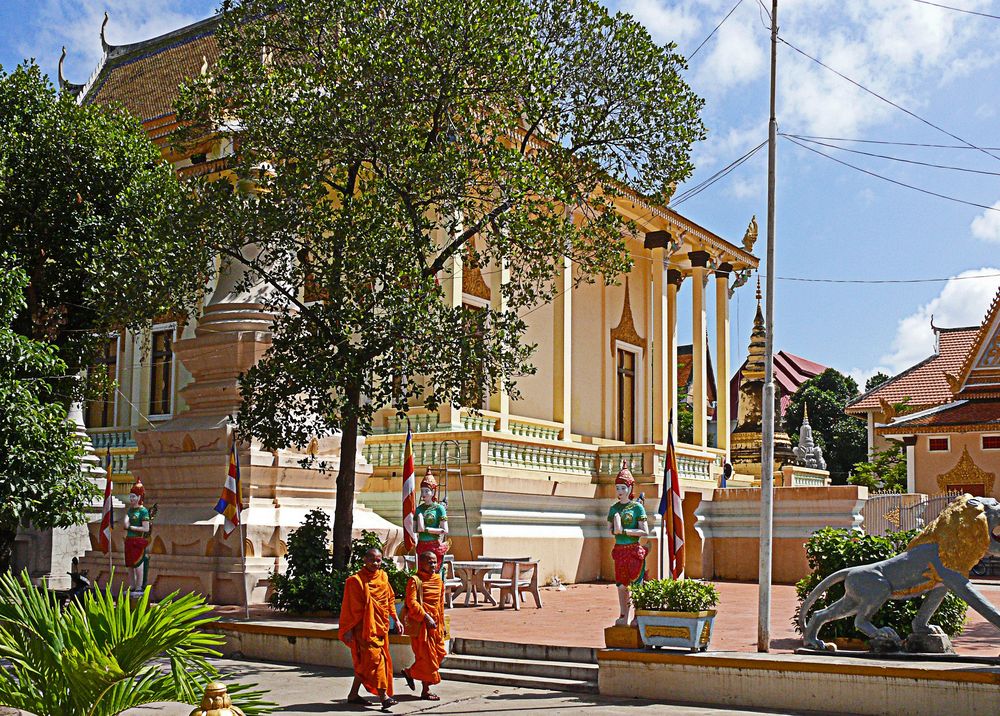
(675, 612)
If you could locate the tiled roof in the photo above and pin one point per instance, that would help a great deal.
(144, 77)
(925, 383)
(968, 414)
(790, 371)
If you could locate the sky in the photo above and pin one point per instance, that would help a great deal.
(834, 223)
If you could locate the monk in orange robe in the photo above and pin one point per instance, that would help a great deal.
(364, 627)
(425, 624)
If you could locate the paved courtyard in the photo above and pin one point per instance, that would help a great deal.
(302, 691)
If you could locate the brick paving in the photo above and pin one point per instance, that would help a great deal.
(577, 617)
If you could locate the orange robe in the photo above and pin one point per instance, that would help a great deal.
(368, 602)
(427, 644)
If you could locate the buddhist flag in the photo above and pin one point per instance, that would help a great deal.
(409, 497)
(231, 503)
(107, 512)
(672, 512)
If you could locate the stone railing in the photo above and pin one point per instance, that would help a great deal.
(123, 451)
(486, 420)
(637, 460)
(421, 421)
(426, 451)
(534, 428)
(529, 456)
(798, 476)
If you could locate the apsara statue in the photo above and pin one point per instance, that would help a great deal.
(628, 524)
(137, 526)
(432, 520)
(936, 560)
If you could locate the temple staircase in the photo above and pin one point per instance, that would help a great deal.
(528, 666)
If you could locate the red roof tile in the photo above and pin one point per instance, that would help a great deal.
(790, 372)
(925, 383)
(970, 414)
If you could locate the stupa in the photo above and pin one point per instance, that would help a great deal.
(808, 453)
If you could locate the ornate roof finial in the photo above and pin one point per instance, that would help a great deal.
(104, 41)
(204, 65)
(62, 78)
(805, 413)
(758, 288)
(750, 236)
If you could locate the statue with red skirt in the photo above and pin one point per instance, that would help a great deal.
(628, 522)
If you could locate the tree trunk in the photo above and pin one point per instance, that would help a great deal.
(343, 520)
(8, 534)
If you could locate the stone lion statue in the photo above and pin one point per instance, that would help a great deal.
(936, 561)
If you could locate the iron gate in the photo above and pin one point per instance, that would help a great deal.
(895, 512)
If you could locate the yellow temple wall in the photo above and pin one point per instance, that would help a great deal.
(590, 360)
(929, 466)
(536, 390)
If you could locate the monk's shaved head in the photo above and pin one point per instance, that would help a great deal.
(373, 559)
(428, 561)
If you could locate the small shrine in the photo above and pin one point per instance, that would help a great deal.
(807, 452)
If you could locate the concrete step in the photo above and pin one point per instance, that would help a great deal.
(533, 652)
(535, 668)
(523, 682)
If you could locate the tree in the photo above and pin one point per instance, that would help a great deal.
(377, 141)
(875, 381)
(885, 471)
(843, 437)
(41, 482)
(90, 211)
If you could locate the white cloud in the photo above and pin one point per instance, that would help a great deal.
(736, 55)
(986, 226)
(676, 22)
(963, 301)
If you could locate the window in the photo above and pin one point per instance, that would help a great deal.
(938, 444)
(161, 369)
(991, 442)
(101, 413)
(626, 396)
(474, 392)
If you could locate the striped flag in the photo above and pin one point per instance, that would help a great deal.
(671, 512)
(231, 503)
(107, 512)
(409, 496)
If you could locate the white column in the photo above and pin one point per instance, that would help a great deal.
(910, 442)
(722, 358)
(699, 365)
(661, 377)
(452, 285)
(871, 433)
(562, 350)
(500, 400)
(674, 279)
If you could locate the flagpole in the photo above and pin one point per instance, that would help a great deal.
(243, 555)
(111, 509)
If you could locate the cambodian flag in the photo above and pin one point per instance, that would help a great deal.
(107, 512)
(672, 512)
(231, 503)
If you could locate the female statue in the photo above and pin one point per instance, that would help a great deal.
(137, 525)
(627, 518)
(432, 520)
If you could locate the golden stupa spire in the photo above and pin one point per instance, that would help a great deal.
(754, 369)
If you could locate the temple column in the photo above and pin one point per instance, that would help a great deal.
(661, 355)
(722, 367)
(699, 364)
(674, 279)
(452, 285)
(500, 400)
(562, 350)
(910, 441)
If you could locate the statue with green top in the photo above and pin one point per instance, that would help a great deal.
(137, 527)
(628, 521)
(432, 520)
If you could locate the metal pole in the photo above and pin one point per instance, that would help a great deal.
(767, 421)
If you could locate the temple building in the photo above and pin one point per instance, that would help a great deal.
(530, 476)
(952, 445)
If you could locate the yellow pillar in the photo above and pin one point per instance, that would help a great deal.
(674, 279)
(662, 378)
(452, 285)
(500, 400)
(722, 367)
(562, 350)
(699, 365)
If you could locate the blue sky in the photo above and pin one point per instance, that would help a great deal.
(833, 222)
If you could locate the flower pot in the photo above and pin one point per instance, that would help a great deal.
(683, 630)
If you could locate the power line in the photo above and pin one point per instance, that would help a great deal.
(722, 173)
(885, 280)
(895, 144)
(892, 158)
(957, 9)
(888, 101)
(892, 181)
(738, 3)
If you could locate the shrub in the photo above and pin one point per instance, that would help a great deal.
(830, 550)
(674, 595)
(310, 583)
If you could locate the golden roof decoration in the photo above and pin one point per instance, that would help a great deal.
(966, 472)
(625, 331)
(750, 235)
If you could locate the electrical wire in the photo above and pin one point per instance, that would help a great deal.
(893, 181)
(957, 9)
(722, 173)
(895, 144)
(892, 158)
(875, 94)
(738, 3)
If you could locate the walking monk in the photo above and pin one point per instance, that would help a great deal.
(425, 624)
(364, 627)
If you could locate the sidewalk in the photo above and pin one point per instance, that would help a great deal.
(578, 615)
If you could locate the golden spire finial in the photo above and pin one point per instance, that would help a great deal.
(758, 288)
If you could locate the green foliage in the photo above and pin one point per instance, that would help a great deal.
(310, 582)
(399, 134)
(875, 381)
(106, 655)
(40, 478)
(830, 550)
(884, 472)
(685, 419)
(92, 213)
(843, 437)
(674, 595)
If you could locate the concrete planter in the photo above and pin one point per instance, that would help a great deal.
(684, 630)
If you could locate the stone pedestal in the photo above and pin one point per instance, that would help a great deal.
(183, 464)
(928, 644)
(622, 637)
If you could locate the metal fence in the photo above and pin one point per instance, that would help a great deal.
(895, 513)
